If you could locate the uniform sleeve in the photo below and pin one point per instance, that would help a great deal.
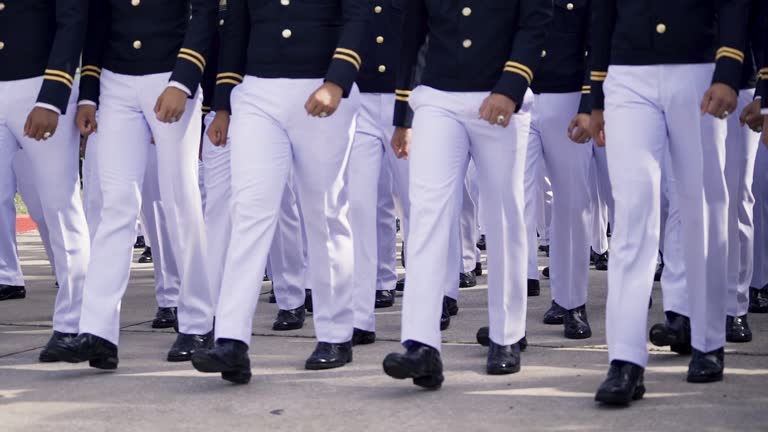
(192, 57)
(97, 35)
(413, 34)
(761, 52)
(71, 17)
(602, 26)
(585, 104)
(535, 18)
(233, 50)
(347, 60)
(733, 22)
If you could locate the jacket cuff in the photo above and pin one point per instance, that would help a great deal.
(344, 68)
(403, 116)
(598, 97)
(189, 69)
(514, 82)
(585, 104)
(225, 83)
(90, 84)
(728, 67)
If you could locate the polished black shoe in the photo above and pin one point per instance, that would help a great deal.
(545, 273)
(420, 362)
(737, 329)
(400, 285)
(146, 256)
(484, 339)
(534, 288)
(272, 297)
(545, 249)
(308, 301)
(363, 337)
(228, 357)
(502, 360)
(576, 324)
(452, 305)
(12, 292)
(675, 332)
(758, 300)
(445, 316)
(706, 367)
(623, 384)
(165, 318)
(140, 243)
(384, 299)
(98, 352)
(478, 269)
(481, 243)
(555, 315)
(659, 272)
(46, 356)
(329, 356)
(467, 280)
(601, 262)
(289, 319)
(186, 345)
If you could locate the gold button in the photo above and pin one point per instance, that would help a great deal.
(569, 6)
(135, 2)
(2, 45)
(287, 33)
(543, 53)
(466, 11)
(137, 44)
(221, 22)
(380, 40)
(377, 9)
(2, 6)
(285, 2)
(661, 29)
(467, 43)
(382, 68)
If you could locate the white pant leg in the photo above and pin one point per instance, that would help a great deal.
(25, 184)
(600, 212)
(760, 214)
(55, 167)
(636, 137)
(673, 280)
(218, 192)
(399, 168)
(287, 261)
(470, 256)
(533, 193)
(741, 149)
(10, 266)
(201, 182)
(386, 228)
(545, 215)
(92, 198)
(474, 192)
(568, 165)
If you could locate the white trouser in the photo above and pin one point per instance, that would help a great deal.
(673, 280)
(218, 192)
(568, 166)
(544, 202)
(372, 208)
(645, 106)
(156, 226)
(287, 254)
(201, 179)
(741, 149)
(474, 192)
(602, 200)
(10, 266)
(315, 150)
(92, 200)
(25, 183)
(54, 165)
(446, 133)
(760, 192)
(534, 184)
(470, 254)
(127, 124)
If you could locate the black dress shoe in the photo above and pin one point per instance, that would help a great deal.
(675, 333)
(758, 300)
(308, 301)
(484, 339)
(289, 319)
(400, 285)
(384, 299)
(576, 324)
(481, 243)
(228, 357)
(272, 297)
(467, 280)
(706, 367)
(478, 269)
(452, 305)
(659, 272)
(623, 384)
(545, 272)
(534, 288)
(329, 356)
(420, 362)
(592, 256)
(445, 316)
(503, 360)
(165, 318)
(601, 262)
(555, 315)
(186, 345)
(545, 249)
(140, 243)
(46, 356)
(98, 352)
(737, 329)
(363, 337)
(12, 292)
(146, 256)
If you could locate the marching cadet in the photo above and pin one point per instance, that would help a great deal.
(40, 45)
(143, 62)
(290, 65)
(560, 113)
(667, 68)
(479, 64)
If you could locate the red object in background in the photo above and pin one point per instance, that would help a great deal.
(24, 224)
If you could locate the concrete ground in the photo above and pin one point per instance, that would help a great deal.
(553, 392)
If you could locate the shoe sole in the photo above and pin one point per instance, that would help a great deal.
(109, 363)
(620, 400)
(15, 296)
(144, 261)
(555, 321)
(465, 285)
(586, 335)
(177, 358)
(206, 365)
(288, 327)
(739, 339)
(383, 305)
(444, 327)
(163, 325)
(662, 338)
(367, 341)
(104, 363)
(502, 370)
(326, 366)
(697, 379)
(397, 371)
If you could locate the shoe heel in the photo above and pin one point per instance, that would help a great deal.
(682, 349)
(237, 377)
(109, 363)
(430, 382)
(639, 392)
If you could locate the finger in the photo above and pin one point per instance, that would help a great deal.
(705, 101)
(582, 136)
(27, 126)
(311, 106)
(507, 118)
(158, 105)
(715, 107)
(493, 114)
(484, 111)
(571, 126)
